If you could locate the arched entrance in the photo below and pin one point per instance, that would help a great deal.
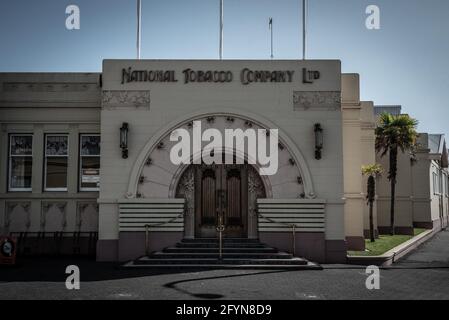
(152, 165)
(233, 189)
(226, 190)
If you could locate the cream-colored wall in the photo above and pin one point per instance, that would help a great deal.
(368, 156)
(416, 201)
(421, 186)
(38, 103)
(439, 201)
(268, 102)
(403, 204)
(358, 150)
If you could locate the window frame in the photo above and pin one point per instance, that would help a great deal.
(440, 182)
(80, 159)
(446, 184)
(46, 189)
(435, 183)
(10, 157)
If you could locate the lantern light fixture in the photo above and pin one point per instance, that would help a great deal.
(318, 141)
(124, 139)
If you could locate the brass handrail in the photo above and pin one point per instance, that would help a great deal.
(147, 231)
(293, 226)
(220, 228)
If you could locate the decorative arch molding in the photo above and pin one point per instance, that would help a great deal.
(284, 139)
(182, 168)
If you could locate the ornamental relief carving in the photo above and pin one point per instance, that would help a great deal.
(84, 217)
(50, 87)
(47, 207)
(186, 188)
(316, 100)
(125, 99)
(256, 190)
(24, 214)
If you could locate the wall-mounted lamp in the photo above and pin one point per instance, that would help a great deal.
(318, 140)
(124, 140)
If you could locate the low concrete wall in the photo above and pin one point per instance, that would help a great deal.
(394, 254)
(312, 246)
(355, 243)
(131, 245)
(107, 250)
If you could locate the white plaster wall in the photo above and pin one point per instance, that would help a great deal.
(435, 198)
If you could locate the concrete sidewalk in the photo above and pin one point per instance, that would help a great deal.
(424, 274)
(433, 253)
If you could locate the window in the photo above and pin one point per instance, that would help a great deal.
(90, 162)
(446, 184)
(435, 183)
(56, 159)
(20, 162)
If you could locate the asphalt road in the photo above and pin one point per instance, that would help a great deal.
(424, 274)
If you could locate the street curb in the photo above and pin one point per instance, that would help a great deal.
(395, 254)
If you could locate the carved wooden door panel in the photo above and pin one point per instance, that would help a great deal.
(235, 185)
(221, 190)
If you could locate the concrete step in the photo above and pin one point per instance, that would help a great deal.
(206, 266)
(225, 240)
(237, 253)
(216, 249)
(215, 255)
(233, 261)
(215, 245)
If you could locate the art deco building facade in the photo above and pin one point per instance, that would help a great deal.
(85, 165)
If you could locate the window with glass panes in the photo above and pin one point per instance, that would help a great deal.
(20, 162)
(56, 162)
(90, 162)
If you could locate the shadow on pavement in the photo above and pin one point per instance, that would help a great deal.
(52, 269)
(174, 285)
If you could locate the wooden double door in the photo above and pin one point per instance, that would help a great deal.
(221, 190)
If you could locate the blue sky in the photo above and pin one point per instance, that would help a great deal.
(406, 62)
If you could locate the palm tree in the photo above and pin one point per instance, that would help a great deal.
(372, 171)
(395, 133)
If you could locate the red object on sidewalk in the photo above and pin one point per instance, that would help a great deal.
(8, 248)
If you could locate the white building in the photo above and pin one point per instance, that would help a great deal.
(422, 186)
(86, 166)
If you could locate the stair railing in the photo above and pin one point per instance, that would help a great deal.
(220, 229)
(147, 231)
(290, 225)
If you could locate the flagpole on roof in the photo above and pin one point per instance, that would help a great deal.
(304, 28)
(139, 27)
(270, 24)
(221, 30)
